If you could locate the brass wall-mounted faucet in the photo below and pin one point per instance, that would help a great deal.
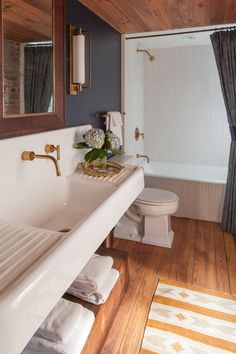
(30, 156)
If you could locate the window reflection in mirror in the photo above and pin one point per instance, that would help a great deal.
(28, 57)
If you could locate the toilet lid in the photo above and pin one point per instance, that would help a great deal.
(156, 196)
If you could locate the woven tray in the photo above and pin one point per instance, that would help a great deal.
(110, 169)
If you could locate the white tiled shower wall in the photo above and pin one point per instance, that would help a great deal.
(185, 118)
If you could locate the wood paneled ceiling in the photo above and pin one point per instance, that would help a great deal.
(133, 16)
(27, 20)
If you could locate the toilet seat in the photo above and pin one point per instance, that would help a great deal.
(156, 202)
(154, 196)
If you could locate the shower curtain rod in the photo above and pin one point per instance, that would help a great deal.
(187, 32)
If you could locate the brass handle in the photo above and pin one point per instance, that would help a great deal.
(138, 134)
(28, 155)
(51, 148)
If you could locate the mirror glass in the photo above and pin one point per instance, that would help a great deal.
(27, 57)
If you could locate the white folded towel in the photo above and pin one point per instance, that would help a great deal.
(114, 123)
(101, 294)
(74, 345)
(62, 321)
(93, 274)
(39, 345)
(116, 119)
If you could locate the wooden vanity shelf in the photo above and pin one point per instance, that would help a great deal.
(105, 314)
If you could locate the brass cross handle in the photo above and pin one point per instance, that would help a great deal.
(138, 134)
(51, 148)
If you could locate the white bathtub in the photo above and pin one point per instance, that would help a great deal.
(198, 173)
(200, 189)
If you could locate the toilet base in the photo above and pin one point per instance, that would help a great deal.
(157, 231)
(167, 242)
(151, 230)
(128, 229)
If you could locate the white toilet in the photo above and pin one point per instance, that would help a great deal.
(148, 218)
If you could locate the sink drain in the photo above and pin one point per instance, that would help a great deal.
(64, 230)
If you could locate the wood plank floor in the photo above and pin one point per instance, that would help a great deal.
(202, 255)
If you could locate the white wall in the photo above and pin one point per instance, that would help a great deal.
(133, 99)
(185, 117)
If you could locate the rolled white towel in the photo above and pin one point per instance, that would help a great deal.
(74, 345)
(101, 294)
(93, 274)
(62, 321)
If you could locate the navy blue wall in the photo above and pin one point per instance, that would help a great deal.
(104, 95)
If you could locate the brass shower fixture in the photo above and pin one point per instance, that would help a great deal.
(151, 57)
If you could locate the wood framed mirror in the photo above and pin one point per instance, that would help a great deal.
(26, 25)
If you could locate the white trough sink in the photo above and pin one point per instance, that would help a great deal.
(38, 263)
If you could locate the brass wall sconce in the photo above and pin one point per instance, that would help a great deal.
(78, 59)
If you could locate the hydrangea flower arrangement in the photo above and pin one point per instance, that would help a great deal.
(101, 144)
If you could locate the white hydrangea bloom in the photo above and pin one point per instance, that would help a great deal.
(114, 140)
(95, 138)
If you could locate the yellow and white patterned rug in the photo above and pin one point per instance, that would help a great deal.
(187, 319)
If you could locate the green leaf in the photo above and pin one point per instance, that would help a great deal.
(92, 155)
(106, 145)
(81, 146)
(103, 153)
(117, 151)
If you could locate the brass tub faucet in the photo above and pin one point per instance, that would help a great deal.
(30, 156)
(143, 156)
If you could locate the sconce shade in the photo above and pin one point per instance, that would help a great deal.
(79, 59)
